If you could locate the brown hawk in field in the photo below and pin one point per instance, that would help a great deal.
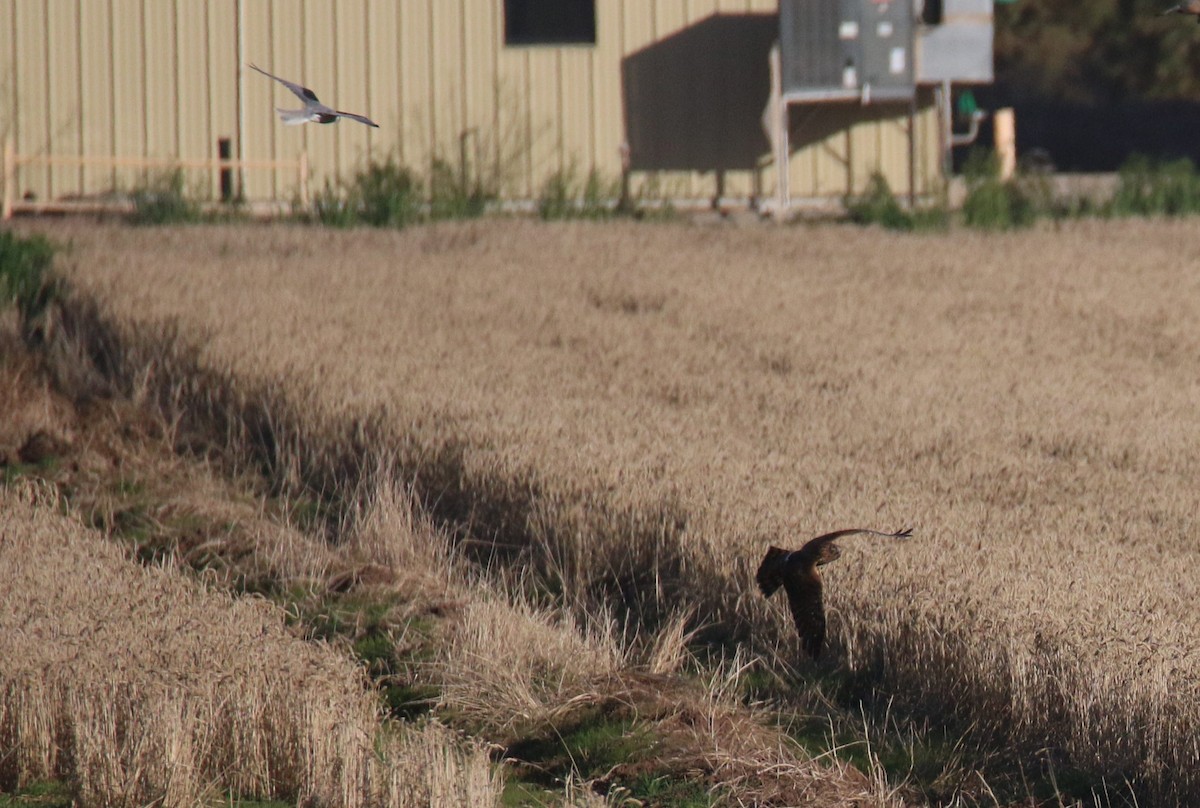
(796, 572)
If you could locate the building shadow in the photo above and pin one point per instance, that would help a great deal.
(694, 100)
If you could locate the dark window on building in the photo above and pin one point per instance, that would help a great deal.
(549, 22)
(931, 12)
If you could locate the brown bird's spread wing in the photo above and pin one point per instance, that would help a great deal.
(813, 547)
(804, 599)
(796, 572)
(770, 571)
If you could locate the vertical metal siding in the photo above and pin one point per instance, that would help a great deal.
(479, 142)
(194, 124)
(318, 31)
(128, 89)
(541, 93)
(268, 46)
(221, 76)
(64, 106)
(161, 101)
(349, 84)
(416, 87)
(159, 78)
(8, 69)
(33, 126)
(96, 91)
(608, 114)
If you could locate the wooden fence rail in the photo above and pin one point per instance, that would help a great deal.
(12, 161)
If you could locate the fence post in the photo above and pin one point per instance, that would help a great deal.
(302, 165)
(10, 178)
(1004, 122)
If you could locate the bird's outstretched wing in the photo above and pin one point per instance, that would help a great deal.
(359, 118)
(306, 95)
(770, 571)
(804, 599)
(814, 546)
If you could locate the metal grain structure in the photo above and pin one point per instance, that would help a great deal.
(681, 83)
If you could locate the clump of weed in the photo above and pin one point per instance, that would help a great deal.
(564, 196)
(389, 194)
(554, 200)
(991, 203)
(384, 194)
(333, 208)
(877, 205)
(162, 199)
(25, 282)
(1146, 187)
(23, 266)
(452, 195)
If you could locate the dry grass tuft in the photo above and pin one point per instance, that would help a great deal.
(508, 666)
(141, 687)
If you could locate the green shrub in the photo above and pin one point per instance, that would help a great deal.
(453, 196)
(386, 195)
(877, 205)
(990, 203)
(23, 265)
(1147, 187)
(25, 279)
(382, 195)
(161, 199)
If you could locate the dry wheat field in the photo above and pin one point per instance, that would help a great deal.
(636, 410)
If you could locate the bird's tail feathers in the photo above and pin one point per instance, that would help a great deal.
(770, 571)
(292, 117)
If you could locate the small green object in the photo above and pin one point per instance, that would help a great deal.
(967, 106)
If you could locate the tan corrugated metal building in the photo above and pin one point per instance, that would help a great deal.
(682, 82)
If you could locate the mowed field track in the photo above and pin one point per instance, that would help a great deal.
(1028, 402)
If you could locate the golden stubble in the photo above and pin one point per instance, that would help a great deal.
(1026, 400)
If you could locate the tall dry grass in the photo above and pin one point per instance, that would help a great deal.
(638, 410)
(510, 669)
(140, 687)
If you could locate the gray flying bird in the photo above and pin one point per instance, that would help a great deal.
(796, 572)
(313, 110)
(1191, 7)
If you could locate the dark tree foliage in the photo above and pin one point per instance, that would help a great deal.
(1097, 51)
